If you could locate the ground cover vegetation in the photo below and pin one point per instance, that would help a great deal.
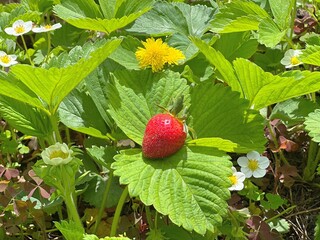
(150, 119)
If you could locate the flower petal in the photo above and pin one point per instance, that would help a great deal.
(242, 161)
(247, 172)
(240, 176)
(253, 155)
(259, 173)
(263, 162)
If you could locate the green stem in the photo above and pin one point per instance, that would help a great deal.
(72, 209)
(67, 131)
(56, 133)
(103, 203)
(25, 47)
(68, 189)
(49, 43)
(293, 16)
(116, 216)
(149, 218)
(280, 214)
(312, 161)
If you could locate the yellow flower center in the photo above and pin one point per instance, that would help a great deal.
(5, 59)
(48, 26)
(294, 60)
(58, 154)
(19, 29)
(253, 164)
(233, 179)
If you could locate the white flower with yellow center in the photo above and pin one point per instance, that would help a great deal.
(19, 28)
(7, 60)
(253, 164)
(237, 179)
(57, 154)
(46, 28)
(291, 58)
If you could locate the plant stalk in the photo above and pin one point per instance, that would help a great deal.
(116, 216)
(103, 203)
(25, 47)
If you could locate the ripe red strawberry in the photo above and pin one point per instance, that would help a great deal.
(164, 135)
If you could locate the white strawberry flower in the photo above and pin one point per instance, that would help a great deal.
(237, 180)
(46, 28)
(7, 60)
(291, 58)
(253, 165)
(57, 154)
(19, 28)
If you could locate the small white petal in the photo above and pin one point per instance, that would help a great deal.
(9, 31)
(234, 170)
(263, 162)
(238, 186)
(253, 155)
(259, 173)
(240, 176)
(18, 23)
(242, 161)
(247, 172)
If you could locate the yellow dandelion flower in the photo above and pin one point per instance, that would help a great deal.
(156, 54)
(174, 55)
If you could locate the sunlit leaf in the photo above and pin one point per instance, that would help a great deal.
(76, 15)
(238, 16)
(269, 33)
(263, 89)
(219, 114)
(191, 186)
(136, 96)
(53, 84)
(313, 125)
(78, 112)
(23, 117)
(311, 55)
(223, 66)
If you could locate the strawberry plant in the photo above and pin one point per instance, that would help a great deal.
(159, 119)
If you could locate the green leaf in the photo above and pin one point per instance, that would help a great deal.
(103, 156)
(85, 8)
(96, 84)
(136, 96)
(13, 88)
(313, 125)
(238, 16)
(281, 10)
(223, 66)
(70, 230)
(170, 18)
(28, 120)
(293, 111)
(94, 237)
(215, 142)
(218, 112)
(263, 89)
(311, 55)
(273, 201)
(280, 225)
(125, 53)
(54, 84)
(234, 45)
(78, 112)
(95, 191)
(73, 13)
(191, 186)
(269, 33)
